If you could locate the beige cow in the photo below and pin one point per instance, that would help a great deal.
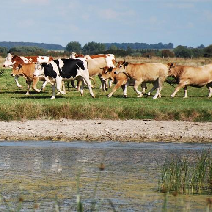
(193, 76)
(119, 79)
(155, 73)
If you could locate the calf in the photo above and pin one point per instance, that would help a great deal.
(62, 69)
(155, 73)
(193, 76)
(27, 71)
(120, 80)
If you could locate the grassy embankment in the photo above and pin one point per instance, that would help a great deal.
(15, 105)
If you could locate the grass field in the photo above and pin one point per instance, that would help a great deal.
(15, 105)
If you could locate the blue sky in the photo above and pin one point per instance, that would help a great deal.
(185, 22)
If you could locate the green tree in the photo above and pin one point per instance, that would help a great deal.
(182, 51)
(208, 51)
(3, 51)
(113, 47)
(28, 50)
(93, 48)
(74, 46)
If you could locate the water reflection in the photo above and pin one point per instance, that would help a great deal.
(44, 174)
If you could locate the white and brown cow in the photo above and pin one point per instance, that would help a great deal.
(192, 76)
(57, 71)
(155, 73)
(13, 61)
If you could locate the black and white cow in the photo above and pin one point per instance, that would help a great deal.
(63, 69)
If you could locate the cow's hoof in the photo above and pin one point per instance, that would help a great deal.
(125, 96)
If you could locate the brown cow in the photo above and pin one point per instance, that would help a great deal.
(121, 80)
(27, 71)
(193, 76)
(155, 73)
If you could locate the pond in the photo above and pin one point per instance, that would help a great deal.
(108, 176)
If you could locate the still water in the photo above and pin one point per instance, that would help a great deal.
(47, 176)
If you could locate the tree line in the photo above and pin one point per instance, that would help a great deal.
(122, 50)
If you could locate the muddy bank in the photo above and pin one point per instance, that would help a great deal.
(104, 130)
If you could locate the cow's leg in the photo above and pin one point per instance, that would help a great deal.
(17, 83)
(53, 91)
(34, 83)
(63, 87)
(72, 84)
(155, 85)
(181, 85)
(59, 85)
(137, 83)
(209, 86)
(124, 88)
(117, 85)
(185, 92)
(28, 86)
(103, 83)
(143, 85)
(88, 82)
(44, 85)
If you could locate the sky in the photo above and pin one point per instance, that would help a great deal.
(181, 22)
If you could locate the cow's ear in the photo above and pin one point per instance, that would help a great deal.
(126, 64)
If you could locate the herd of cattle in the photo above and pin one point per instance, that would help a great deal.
(83, 68)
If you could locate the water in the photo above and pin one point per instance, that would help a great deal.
(43, 175)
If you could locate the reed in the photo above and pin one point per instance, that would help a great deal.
(179, 176)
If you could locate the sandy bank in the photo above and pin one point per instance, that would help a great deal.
(104, 130)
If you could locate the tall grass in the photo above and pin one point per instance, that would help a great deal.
(180, 176)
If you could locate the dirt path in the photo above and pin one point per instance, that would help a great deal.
(104, 130)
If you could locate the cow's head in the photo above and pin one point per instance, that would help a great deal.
(39, 70)
(171, 67)
(107, 73)
(8, 61)
(17, 70)
(121, 67)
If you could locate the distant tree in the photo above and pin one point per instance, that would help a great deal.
(167, 53)
(208, 51)
(74, 46)
(182, 51)
(28, 50)
(3, 51)
(93, 48)
(197, 52)
(113, 47)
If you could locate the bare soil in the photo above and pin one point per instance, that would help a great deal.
(107, 130)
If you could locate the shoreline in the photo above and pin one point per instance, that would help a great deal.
(107, 130)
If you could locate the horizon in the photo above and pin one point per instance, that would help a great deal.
(104, 43)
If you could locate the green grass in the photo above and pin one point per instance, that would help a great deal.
(15, 105)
